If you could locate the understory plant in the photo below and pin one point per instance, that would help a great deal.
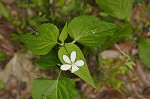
(51, 44)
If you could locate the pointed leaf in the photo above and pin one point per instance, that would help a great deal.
(42, 42)
(3, 10)
(83, 71)
(123, 31)
(117, 8)
(64, 33)
(90, 31)
(63, 88)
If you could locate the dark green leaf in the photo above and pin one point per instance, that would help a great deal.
(144, 51)
(123, 31)
(90, 31)
(42, 42)
(83, 71)
(48, 61)
(2, 56)
(63, 88)
(64, 33)
(117, 8)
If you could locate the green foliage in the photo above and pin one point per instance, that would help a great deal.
(2, 85)
(90, 31)
(34, 21)
(64, 33)
(121, 67)
(74, 6)
(63, 88)
(83, 72)
(117, 8)
(86, 30)
(43, 41)
(48, 61)
(123, 31)
(144, 51)
(3, 10)
(2, 56)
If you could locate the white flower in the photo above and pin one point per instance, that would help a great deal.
(71, 62)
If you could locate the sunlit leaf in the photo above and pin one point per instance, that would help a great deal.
(43, 41)
(64, 33)
(83, 71)
(117, 8)
(90, 31)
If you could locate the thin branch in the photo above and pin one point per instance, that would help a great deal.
(123, 53)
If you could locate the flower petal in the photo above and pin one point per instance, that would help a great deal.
(66, 59)
(74, 68)
(73, 56)
(79, 63)
(65, 67)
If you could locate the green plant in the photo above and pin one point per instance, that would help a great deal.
(144, 53)
(83, 30)
(87, 30)
(2, 56)
(2, 85)
(114, 68)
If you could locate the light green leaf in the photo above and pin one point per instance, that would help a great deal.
(3, 10)
(117, 8)
(60, 3)
(48, 61)
(43, 41)
(123, 31)
(144, 51)
(83, 71)
(64, 33)
(90, 31)
(63, 88)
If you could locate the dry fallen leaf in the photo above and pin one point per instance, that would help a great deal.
(20, 66)
(18, 75)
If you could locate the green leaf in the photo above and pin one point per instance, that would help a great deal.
(117, 8)
(2, 85)
(144, 51)
(123, 31)
(43, 41)
(48, 61)
(3, 10)
(83, 71)
(60, 3)
(90, 31)
(63, 88)
(2, 56)
(64, 33)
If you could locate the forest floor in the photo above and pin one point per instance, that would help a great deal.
(17, 71)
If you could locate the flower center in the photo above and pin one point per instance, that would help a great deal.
(72, 63)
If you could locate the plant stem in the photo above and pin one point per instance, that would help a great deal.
(123, 53)
(73, 41)
(61, 44)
